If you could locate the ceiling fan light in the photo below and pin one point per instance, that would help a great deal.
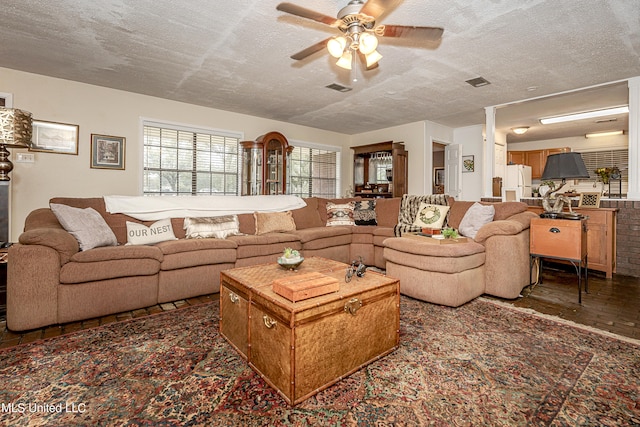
(520, 130)
(368, 43)
(372, 58)
(345, 60)
(336, 46)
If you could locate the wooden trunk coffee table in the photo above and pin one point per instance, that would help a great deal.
(302, 347)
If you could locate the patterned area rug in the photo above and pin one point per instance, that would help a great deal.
(481, 364)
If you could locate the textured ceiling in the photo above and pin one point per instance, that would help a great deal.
(234, 55)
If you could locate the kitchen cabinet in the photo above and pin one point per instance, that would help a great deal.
(537, 159)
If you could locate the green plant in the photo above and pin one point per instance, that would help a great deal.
(550, 184)
(450, 233)
(290, 253)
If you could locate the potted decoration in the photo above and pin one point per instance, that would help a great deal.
(290, 259)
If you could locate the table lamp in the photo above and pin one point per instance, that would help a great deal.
(15, 132)
(562, 166)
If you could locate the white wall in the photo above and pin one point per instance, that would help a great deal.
(471, 140)
(117, 113)
(111, 112)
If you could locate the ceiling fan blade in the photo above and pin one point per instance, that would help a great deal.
(377, 8)
(422, 33)
(310, 50)
(307, 13)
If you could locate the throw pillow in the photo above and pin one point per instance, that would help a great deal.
(218, 227)
(86, 225)
(140, 234)
(431, 216)
(340, 214)
(364, 212)
(477, 216)
(272, 222)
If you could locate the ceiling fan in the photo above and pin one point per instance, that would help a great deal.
(357, 22)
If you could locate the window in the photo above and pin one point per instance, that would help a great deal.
(607, 159)
(315, 171)
(183, 161)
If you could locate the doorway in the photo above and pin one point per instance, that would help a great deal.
(437, 179)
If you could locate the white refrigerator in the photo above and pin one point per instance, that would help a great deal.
(518, 177)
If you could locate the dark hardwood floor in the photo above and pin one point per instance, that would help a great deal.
(611, 305)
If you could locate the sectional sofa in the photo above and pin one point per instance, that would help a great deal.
(52, 281)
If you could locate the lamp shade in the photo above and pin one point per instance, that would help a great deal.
(15, 127)
(565, 166)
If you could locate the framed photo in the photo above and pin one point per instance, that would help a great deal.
(107, 152)
(468, 164)
(52, 137)
(438, 176)
(6, 100)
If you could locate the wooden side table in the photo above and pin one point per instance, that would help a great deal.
(561, 239)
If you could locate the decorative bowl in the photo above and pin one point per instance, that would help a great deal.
(290, 264)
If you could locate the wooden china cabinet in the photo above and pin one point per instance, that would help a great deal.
(380, 170)
(265, 165)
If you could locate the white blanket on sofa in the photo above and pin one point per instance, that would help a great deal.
(152, 208)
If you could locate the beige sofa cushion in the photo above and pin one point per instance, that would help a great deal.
(265, 244)
(387, 211)
(453, 258)
(55, 238)
(504, 210)
(308, 217)
(110, 263)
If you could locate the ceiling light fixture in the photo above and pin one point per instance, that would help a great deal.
(599, 134)
(520, 130)
(346, 48)
(585, 115)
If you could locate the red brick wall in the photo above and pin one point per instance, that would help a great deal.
(628, 236)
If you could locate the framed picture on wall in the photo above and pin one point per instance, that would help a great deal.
(107, 152)
(438, 176)
(6, 100)
(52, 137)
(468, 164)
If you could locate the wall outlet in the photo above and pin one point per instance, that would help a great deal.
(25, 158)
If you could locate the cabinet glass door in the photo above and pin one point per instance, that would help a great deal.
(251, 170)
